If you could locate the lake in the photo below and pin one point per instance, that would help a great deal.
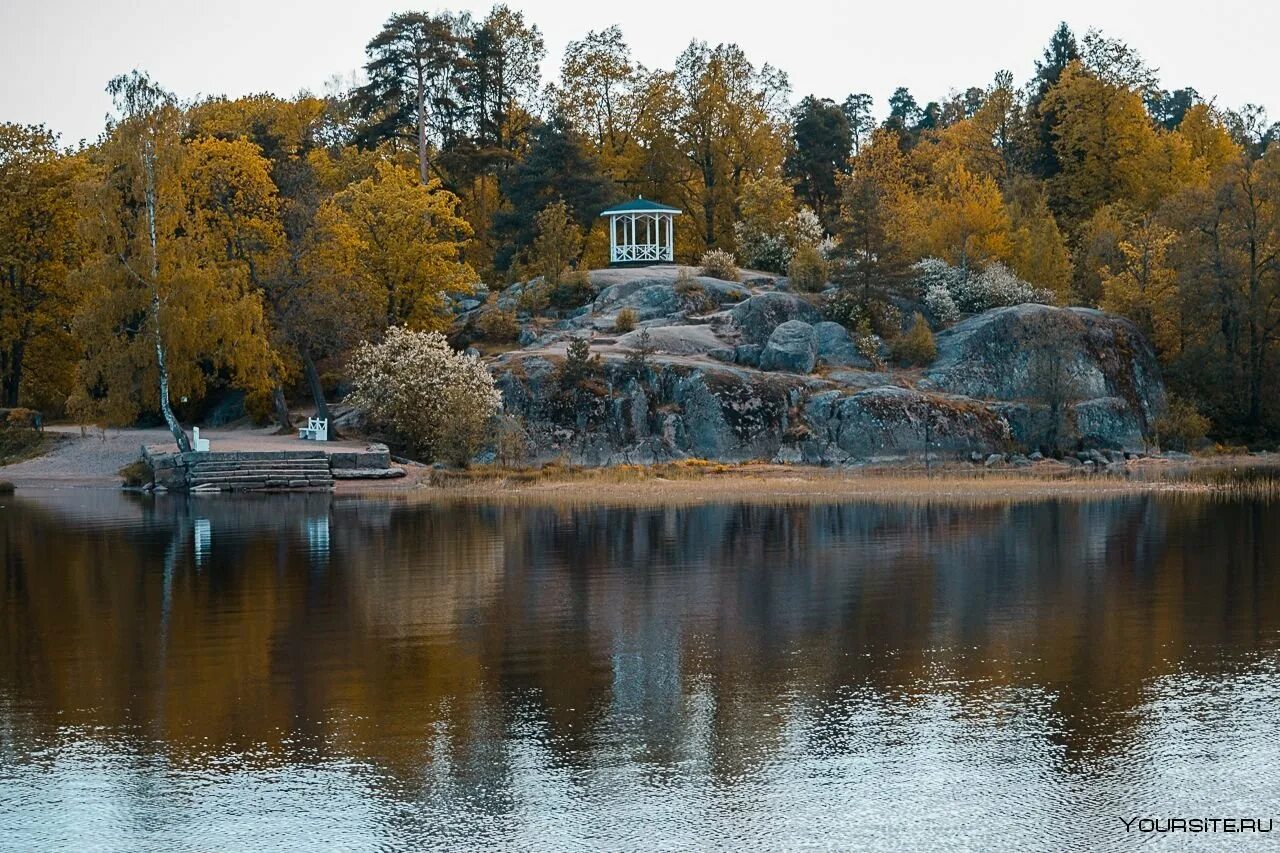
(312, 672)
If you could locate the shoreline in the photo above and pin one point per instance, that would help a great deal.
(91, 463)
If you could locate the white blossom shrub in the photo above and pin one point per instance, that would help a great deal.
(948, 291)
(435, 400)
(941, 304)
(773, 250)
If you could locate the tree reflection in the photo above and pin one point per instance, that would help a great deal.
(437, 640)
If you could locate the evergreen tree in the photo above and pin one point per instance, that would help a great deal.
(558, 167)
(1062, 50)
(821, 145)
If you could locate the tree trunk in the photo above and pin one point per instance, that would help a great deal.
(165, 408)
(317, 389)
(283, 418)
(423, 163)
(13, 373)
(148, 164)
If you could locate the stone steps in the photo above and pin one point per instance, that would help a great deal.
(243, 472)
(212, 468)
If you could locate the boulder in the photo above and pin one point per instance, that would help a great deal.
(792, 347)
(649, 298)
(675, 340)
(836, 347)
(747, 354)
(1109, 423)
(1097, 365)
(1010, 353)
(757, 317)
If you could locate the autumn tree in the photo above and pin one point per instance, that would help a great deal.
(410, 239)
(871, 260)
(558, 243)
(1143, 285)
(39, 248)
(729, 128)
(160, 310)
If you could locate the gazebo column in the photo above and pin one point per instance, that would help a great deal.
(671, 243)
(613, 239)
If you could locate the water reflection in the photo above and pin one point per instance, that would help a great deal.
(307, 671)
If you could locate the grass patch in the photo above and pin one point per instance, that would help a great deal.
(19, 445)
(136, 474)
(552, 473)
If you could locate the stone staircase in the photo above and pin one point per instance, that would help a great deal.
(258, 471)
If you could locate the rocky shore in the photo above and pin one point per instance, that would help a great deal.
(738, 371)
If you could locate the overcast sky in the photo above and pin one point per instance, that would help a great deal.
(56, 55)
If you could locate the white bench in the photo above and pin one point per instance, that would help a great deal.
(201, 444)
(317, 429)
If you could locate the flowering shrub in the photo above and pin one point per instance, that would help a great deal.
(938, 299)
(773, 248)
(718, 263)
(435, 400)
(948, 291)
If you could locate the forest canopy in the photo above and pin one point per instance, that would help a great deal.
(254, 243)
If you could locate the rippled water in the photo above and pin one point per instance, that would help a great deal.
(314, 673)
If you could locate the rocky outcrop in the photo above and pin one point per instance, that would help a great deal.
(735, 372)
(792, 347)
(1094, 369)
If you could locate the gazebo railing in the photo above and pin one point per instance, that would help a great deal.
(640, 252)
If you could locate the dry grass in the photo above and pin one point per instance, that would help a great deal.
(695, 481)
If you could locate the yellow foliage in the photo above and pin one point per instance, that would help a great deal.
(410, 238)
(195, 284)
(963, 219)
(1143, 285)
(39, 247)
(1040, 253)
(1106, 144)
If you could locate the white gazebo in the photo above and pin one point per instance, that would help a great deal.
(642, 232)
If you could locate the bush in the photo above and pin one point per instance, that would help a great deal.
(534, 296)
(848, 307)
(436, 401)
(949, 290)
(573, 290)
(498, 326)
(694, 298)
(625, 321)
(136, 473)
(808, 270)
(511, 441)
(717, 263)
(1182, 427)
(916, 347)
(868, 344)
(19, 444)
(21, 418)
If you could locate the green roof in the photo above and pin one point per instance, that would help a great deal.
(641, 205)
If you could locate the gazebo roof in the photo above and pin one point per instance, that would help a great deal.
(640, 205)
